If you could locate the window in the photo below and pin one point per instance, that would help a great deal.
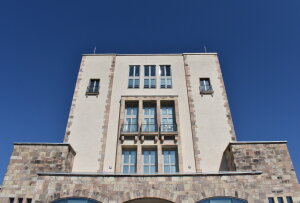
(205, 86)
(167, 118)
(165, 76)
(170, 161)
(134, 76)
(29, 200)
(271, 200)
(149, 118)
(20, 200)
(222, 200)
(93, 87)
(289, 199)
(279, 199)
(11, 200)
(131, 118)
(75, 200)
(149, 161)
(129, 161)
(149, 77)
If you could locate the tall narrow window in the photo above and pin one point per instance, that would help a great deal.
(29, 200)
(93, 87)
(167, 118)
(205, 86)
(129, 161)
(149, 161)
(170, 161)
(149, 77)
(11, 200)
(289, 199)
(20, 200)
(271, 200)
(149, 118)
(134, 76)
(279, 199)
(165, 76)
(131, 118)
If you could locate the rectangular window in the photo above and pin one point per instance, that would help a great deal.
(11, 200)
(289, 199)
(134, 76)
(205, 85)
(20, 200)
(149, 76)
(279, 199)
(93, 87)
(165, 76)
(131, 118)
(149, 161)
(170, 161)
(129, 161)
(29, 200)
(149, 117)
(167, 118)
(271, 200)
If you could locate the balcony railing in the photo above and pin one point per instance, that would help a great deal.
(129, 128)
(168, 127)
(92, 90)
(149, 128)
(206, 89)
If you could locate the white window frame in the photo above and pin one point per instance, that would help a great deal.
(170, 164)
(164, 77)
(149, 77)
(135, 78)
(149, 164)
(129, 164)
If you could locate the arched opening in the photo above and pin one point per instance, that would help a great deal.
(148, 200)
(222, 200)
(75, 200)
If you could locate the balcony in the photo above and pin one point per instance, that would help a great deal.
(149, 128)
(207, 89)
(130, 128)
(92, 90)
(168, 128)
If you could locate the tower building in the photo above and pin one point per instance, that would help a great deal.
(150, 128)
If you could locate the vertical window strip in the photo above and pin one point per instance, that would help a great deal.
(149, 76)
(167, 118)
(165, 76)
(134, 76)
(149, 161)
(129, 161)
(279, 199)
(271, 200)
(170, 161)
(131, 118)
(289, 199)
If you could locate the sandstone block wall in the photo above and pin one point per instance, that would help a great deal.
(28, 159)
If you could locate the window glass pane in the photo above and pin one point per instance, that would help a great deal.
(126, 159)
(280, 199)
(133, 157)
(146, 83)
(153, 83)
(146, 169)
(146, 157)
(289, 199)
(167, 169)
(162, 83)
(76, 201)
(137, 83)
(132, 169)
(168, 71)
(220, 200)
(153, 71)
(153, 157)
(162, 71)
(131, 71)
(130, 83)
(134, 111)
(173, 169)
(146, 70)
(169, 83)
(152, 169)
(137, 71)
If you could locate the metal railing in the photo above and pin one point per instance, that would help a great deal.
(168, 127)
(129, 128)
(206, 88)
(149, 128)
(92, 89)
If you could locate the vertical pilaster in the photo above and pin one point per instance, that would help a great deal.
(159, 159)
(139, 162)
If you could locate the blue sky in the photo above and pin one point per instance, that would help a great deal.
(41, 43)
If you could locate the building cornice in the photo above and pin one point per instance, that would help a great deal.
(45, 144)
(257, 142)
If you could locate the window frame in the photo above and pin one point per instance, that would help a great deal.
(95, 87)
(164, 77)
(134, 77)
(206, 88)
(150, 77)
(170, 164)
(149, 164)
(129, 164)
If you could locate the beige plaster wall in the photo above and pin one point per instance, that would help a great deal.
(213, 127)
(85, 131)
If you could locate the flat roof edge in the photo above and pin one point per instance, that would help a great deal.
(45, 144)
(170, 54)
(258, 142)
(228, 173)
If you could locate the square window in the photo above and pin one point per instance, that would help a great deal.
(93, 87)
(205, 86)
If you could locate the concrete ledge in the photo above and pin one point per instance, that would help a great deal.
(258, 142)
(223, 173)
(45, 144)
